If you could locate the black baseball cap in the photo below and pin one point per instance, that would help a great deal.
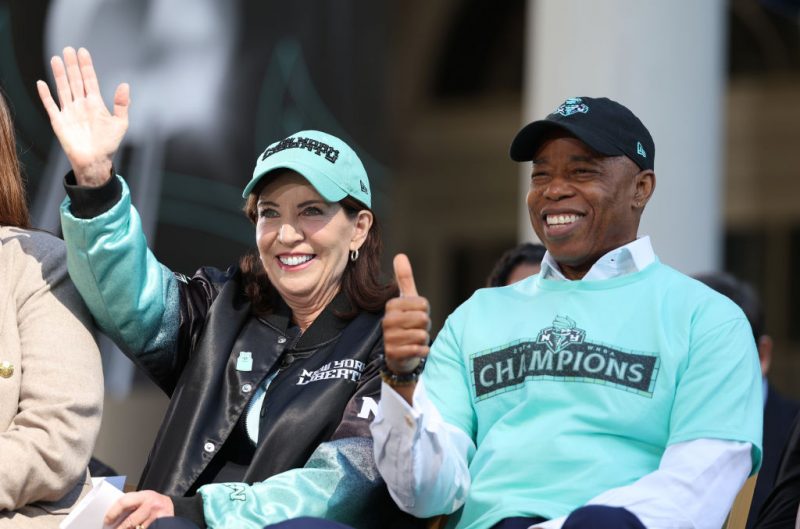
(604, 125)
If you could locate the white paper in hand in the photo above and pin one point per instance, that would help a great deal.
(89, 513)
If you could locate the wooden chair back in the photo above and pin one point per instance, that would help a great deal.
(737, 518)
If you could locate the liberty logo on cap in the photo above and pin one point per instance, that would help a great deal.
(317, 147)
(640, 150)
(573, 105)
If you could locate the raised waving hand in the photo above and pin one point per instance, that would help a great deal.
(89, 134)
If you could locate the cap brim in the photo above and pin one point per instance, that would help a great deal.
(530, 138)
(321, 182)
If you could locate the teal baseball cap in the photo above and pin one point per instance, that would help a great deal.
(328, 163)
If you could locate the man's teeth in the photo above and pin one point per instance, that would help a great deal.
(294, 260)
(561, 219)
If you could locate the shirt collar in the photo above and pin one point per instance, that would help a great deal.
(632, 257)
(325, 328)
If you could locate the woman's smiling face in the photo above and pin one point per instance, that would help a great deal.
(304, 241)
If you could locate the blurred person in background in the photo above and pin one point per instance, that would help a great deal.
(271, 366)
(611, 391)
(51, 380)
(521, 261)
(781, 509)
(779, 411)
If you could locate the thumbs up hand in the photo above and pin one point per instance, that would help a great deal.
(406, 323)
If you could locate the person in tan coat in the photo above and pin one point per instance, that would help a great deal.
(51, 380)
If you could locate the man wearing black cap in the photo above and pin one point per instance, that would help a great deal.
(609, 390)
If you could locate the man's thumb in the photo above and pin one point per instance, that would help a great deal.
(404, 275)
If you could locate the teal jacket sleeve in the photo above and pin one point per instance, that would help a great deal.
(339, 482)
(334, 484)
(134, 299)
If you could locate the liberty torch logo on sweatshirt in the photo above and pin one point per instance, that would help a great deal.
(561, 352)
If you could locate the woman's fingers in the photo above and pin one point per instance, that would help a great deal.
(122, 100)
(136, 508)
(90, 84)
(47, 100)
(74, 73)
(126, 503)
(62, 84)
(141, 516)
(75, 79)
(130, 510)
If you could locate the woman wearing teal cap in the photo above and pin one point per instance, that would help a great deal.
(271, 366)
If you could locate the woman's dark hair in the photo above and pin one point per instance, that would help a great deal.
(361, 280)
(13, 208)
(524, 253)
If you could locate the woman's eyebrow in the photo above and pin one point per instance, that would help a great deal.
(312, 202)
(264, 202)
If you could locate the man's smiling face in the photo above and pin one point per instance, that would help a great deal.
(583, 204)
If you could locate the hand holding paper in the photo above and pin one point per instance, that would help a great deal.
(91, 510)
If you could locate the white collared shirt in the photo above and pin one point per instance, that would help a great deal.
(627, 259)
(424, 460)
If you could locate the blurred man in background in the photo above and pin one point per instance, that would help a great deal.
(521, 261)
(779, 411)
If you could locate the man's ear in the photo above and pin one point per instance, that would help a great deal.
(765, 346)
(645, 184)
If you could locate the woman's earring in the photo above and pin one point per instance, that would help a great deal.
(353, 255)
